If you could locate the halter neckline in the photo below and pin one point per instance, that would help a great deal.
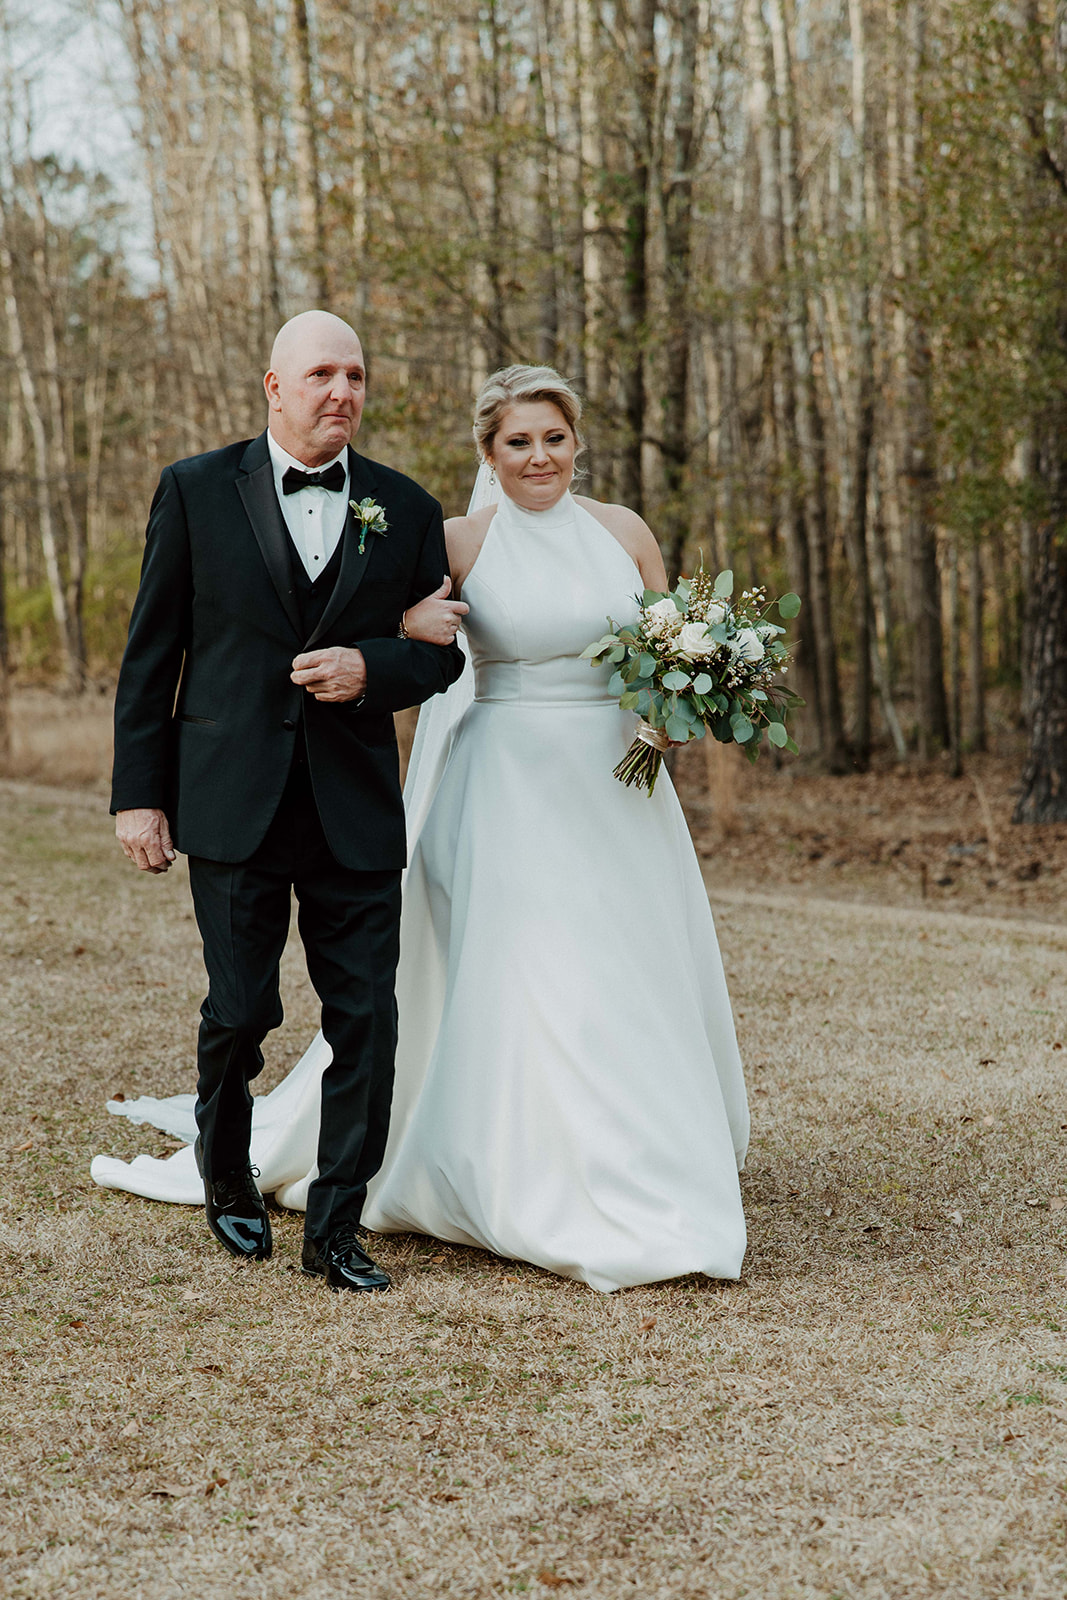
(560, 515)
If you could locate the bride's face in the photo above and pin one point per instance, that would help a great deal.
(533, 454)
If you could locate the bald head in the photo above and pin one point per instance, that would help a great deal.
(315, 386)
(307, 331)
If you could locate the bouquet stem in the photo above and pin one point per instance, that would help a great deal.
(641, 763)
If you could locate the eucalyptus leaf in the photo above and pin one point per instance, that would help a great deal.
(724, 584)
(650, 597)
(789, 606)
(777, 735)
(647, 664)
(677, 729)
(702, 684)
(676, 680)
(742, 728)
(616, 685)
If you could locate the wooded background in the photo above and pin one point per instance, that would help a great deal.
(804, 260)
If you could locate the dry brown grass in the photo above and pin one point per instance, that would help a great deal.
(878, 1409)
(61, 739)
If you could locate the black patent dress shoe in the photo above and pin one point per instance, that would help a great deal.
(236, 1213)
(344, 1263)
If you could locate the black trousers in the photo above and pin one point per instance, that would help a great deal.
(349, 924)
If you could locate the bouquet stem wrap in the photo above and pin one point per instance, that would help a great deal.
(641, 763)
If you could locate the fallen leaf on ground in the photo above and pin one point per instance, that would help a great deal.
(170, 1491)
(648, 1324)
(1057, 1202)
(552, 1580)
(130, 1429)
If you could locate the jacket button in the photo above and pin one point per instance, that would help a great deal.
(288, 725)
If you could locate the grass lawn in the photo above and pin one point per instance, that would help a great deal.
(878, 1409)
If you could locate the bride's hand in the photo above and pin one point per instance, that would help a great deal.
(435, 620)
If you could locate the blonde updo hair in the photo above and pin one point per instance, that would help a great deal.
(517, 386)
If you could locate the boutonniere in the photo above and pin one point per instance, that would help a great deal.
(371, 518)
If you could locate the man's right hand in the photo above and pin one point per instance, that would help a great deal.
(144, 834)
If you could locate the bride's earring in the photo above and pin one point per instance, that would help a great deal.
(492, 476)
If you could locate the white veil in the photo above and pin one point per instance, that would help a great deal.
(440, 716)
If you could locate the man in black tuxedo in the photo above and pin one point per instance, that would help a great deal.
(266, 655)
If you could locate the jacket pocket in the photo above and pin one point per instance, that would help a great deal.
(199, 722)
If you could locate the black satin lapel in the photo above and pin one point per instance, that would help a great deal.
(264, 513)
(353, 567)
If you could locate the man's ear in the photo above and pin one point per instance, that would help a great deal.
(270, 384)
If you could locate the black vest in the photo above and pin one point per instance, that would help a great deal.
(313, 594)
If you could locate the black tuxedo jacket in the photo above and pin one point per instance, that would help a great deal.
(206, 717)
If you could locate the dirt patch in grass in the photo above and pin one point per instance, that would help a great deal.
(878, 1409)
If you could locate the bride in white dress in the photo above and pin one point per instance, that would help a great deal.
(569, 1090)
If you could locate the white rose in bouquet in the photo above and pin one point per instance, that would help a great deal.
(694, 642)
(747, 645)
(662, 619)
(716, 611)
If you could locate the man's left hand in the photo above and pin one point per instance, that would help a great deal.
(335, 675)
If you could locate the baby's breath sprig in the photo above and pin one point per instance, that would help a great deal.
(701, 589)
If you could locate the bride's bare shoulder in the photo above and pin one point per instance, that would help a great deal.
(464, 537)
(633, 533)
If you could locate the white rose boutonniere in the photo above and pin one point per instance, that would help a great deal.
(371, 518)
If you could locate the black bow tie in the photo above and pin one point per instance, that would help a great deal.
(331, 477)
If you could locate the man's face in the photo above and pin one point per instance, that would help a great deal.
(316, 393)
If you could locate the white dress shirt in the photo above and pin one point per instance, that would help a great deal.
(315, 517)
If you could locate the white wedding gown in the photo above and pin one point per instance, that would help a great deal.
(569, 1090)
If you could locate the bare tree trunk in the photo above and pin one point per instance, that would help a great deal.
(42, 466)
(811, 443)
(545, 201)
(267, 301)
(955, 725)
(1044, 796)
(635, 287)
(496, 342)
(976, 723)
(5, 651)
(59, 446)
(306, 153)
(920, 469)
(864, 216)
(677, 208)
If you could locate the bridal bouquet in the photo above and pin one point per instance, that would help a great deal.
(698, 661)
